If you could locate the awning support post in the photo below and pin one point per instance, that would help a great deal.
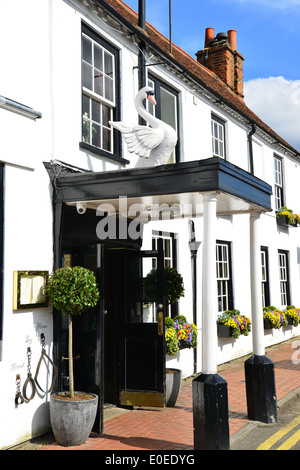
(210, 397)
(259, 369)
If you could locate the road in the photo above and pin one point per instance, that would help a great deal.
(283, 435)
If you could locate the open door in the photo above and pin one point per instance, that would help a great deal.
(142, 371)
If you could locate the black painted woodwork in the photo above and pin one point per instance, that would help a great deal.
(213, 174)
(260, 389)
(210, 412)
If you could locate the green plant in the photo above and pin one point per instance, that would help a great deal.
(291, 217)
(240, 324)
(169, 322)
(172, 346)
(72, 291)
(294, 314)
(179, 334)
(181, 319)
(174, 288)
(275, 317)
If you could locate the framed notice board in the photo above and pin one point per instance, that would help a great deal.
(29, 290)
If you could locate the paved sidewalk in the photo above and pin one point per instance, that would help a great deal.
(172, 428)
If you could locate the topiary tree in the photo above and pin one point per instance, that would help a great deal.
(72, 291)
(174, 287)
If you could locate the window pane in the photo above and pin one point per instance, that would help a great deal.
(87, 76)
(105, 115)
(108, 63)
(85, 106)
(98, 58)
(96, 135)
(86, 131)
(98, 82)
(96, 111)
(221, 152)
(215, 133)
(149, 105)
(109, 92)
(106, 139)
(87, 50)
(168, 107)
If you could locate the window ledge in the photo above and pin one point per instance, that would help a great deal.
(103, 153)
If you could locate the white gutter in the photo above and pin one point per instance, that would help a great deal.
(19, 108)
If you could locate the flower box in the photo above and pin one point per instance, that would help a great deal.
(231, 324)
(274, 318)
(267, 324)
(282, 220)
(224, 331)
(286, 217)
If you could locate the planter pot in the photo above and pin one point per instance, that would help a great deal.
(173, 385)
(290, 321)
(284, 221)
(72, 421)
(267, 324)
(224, 331)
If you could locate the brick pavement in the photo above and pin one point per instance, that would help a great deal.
(172, 428)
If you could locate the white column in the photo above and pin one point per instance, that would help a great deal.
(209, 287)
(256, 286)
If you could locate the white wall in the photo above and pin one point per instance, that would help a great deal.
(42, 57)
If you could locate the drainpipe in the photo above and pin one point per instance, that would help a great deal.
(253, 130)
(142, 49)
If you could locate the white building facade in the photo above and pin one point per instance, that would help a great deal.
(74, 67)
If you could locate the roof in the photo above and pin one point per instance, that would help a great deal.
(190, 67)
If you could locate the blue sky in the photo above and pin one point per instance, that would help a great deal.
(268, 38)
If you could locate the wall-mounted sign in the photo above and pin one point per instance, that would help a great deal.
(30, 289)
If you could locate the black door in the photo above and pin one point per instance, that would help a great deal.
(142, 359)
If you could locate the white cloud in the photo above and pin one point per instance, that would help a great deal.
(283, 5)
(276, 101)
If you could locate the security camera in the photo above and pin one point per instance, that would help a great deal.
(81, 207)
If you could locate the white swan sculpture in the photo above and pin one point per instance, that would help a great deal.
(153, 144)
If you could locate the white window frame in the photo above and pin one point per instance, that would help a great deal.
(167, 247)
(106, 106)
(283, 278)
(264, 276)
(278, 183)
(218, 137)
(223, 275)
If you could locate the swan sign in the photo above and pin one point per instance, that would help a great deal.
(154, 143)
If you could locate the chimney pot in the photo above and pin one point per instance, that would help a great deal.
(232, 38)
(209, 36)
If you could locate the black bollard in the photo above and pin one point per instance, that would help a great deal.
(260, 389)
(210, 412)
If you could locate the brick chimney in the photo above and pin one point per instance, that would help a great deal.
(220, 55)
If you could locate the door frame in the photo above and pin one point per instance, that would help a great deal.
(133, 396)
